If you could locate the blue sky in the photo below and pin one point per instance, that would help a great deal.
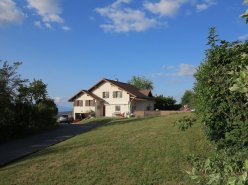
(71, 45)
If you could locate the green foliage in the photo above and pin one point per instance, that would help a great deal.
(24, 108)
(245, 15)
(224, 113)
(221, 104)
(188, 98)
(240, 79)
(166, 103)
(223, 168)
(185, 123)
(141, 82)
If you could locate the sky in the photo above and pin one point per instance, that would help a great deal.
(71, 45)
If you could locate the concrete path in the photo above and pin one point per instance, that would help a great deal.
(14, 150)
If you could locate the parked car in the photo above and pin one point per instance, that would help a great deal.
(64, 118)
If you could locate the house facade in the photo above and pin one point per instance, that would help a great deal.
(109, 98)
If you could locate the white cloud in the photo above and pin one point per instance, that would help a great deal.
(164, 7)
(121, 19)
(58, 100)
(66, 28)
(182, 71)
(205, 5)
(10, 13)
(38, 24)
(49, 10)
(243, 37)
(186, 70)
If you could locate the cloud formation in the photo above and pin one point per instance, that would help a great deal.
(164, 7)
(205, 5)
(49, 10)
(183, 70)
(243, 37)
(122, 19)
(119, 17)
(10, 13)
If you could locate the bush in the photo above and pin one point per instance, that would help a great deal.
(221, 104)
(223, 112)
(166, 103)
(24, 108)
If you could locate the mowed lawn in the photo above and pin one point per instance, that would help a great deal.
(142, 151)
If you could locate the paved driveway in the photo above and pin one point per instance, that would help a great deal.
(14, 150)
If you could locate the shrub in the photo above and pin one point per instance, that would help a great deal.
(223, 112)
(166, 103)
(185, 123)
(24, 108)
(221, 104)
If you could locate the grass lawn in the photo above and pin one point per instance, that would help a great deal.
(142, 151)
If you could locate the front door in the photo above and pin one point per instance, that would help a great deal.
(104, 110)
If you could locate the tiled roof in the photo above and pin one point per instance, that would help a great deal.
(146, 93)
(134, 91)
(86, 92)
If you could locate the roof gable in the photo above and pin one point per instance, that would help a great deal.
(130, 89)
(84, 92)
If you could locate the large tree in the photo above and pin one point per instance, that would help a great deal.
(187, 98)
(141, 82)
(24, 107)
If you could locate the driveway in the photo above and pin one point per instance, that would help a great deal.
(14, 150)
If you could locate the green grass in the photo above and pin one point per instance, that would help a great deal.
(142, 151)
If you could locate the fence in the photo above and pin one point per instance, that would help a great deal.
(142, 114)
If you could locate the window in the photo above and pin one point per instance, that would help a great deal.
(105, 94)
(89, 103)
(78, 103)
(117, 108)
(117, 94)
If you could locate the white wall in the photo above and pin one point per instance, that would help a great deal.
(83, 109)
(111, 102)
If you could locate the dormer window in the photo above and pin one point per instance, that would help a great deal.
(117, 94)
(105, 94)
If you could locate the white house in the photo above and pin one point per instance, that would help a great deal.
(110, 98)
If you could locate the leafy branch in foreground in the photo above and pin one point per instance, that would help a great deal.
(185, 123)
(245, 15)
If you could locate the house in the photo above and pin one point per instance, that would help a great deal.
(110, 98)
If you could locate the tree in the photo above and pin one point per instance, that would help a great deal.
(141, 82)
(187, 98)
(223, 112)
(166, 103)
(24, 107)
(37, 90)
(245, 15)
